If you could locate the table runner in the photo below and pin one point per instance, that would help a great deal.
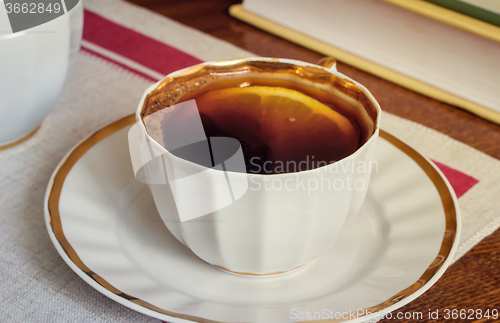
(126, 49)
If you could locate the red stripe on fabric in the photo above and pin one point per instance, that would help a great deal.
(149, 78)
(133, 45)
(460, 182)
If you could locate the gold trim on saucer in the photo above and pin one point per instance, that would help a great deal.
(20, 141)
(255, 275)
(55, 218)
(56, 186)
(450, 214)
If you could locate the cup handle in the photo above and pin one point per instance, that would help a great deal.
(328, 62)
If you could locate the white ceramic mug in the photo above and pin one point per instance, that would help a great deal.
(33, 68)
(266, 231)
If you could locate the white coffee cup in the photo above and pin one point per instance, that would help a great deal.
(33, 69)
(262, 231)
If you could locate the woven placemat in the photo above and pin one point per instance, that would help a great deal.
(106, 83)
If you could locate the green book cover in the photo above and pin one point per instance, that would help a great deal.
(478, 9)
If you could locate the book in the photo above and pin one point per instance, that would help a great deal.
(483, 18)
(450, 64)
(484, 10)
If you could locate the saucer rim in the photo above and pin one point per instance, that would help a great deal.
(69, 255)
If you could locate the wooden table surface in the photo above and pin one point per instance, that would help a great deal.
(473, 282)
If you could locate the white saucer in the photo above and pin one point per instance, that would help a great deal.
(105, 226)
